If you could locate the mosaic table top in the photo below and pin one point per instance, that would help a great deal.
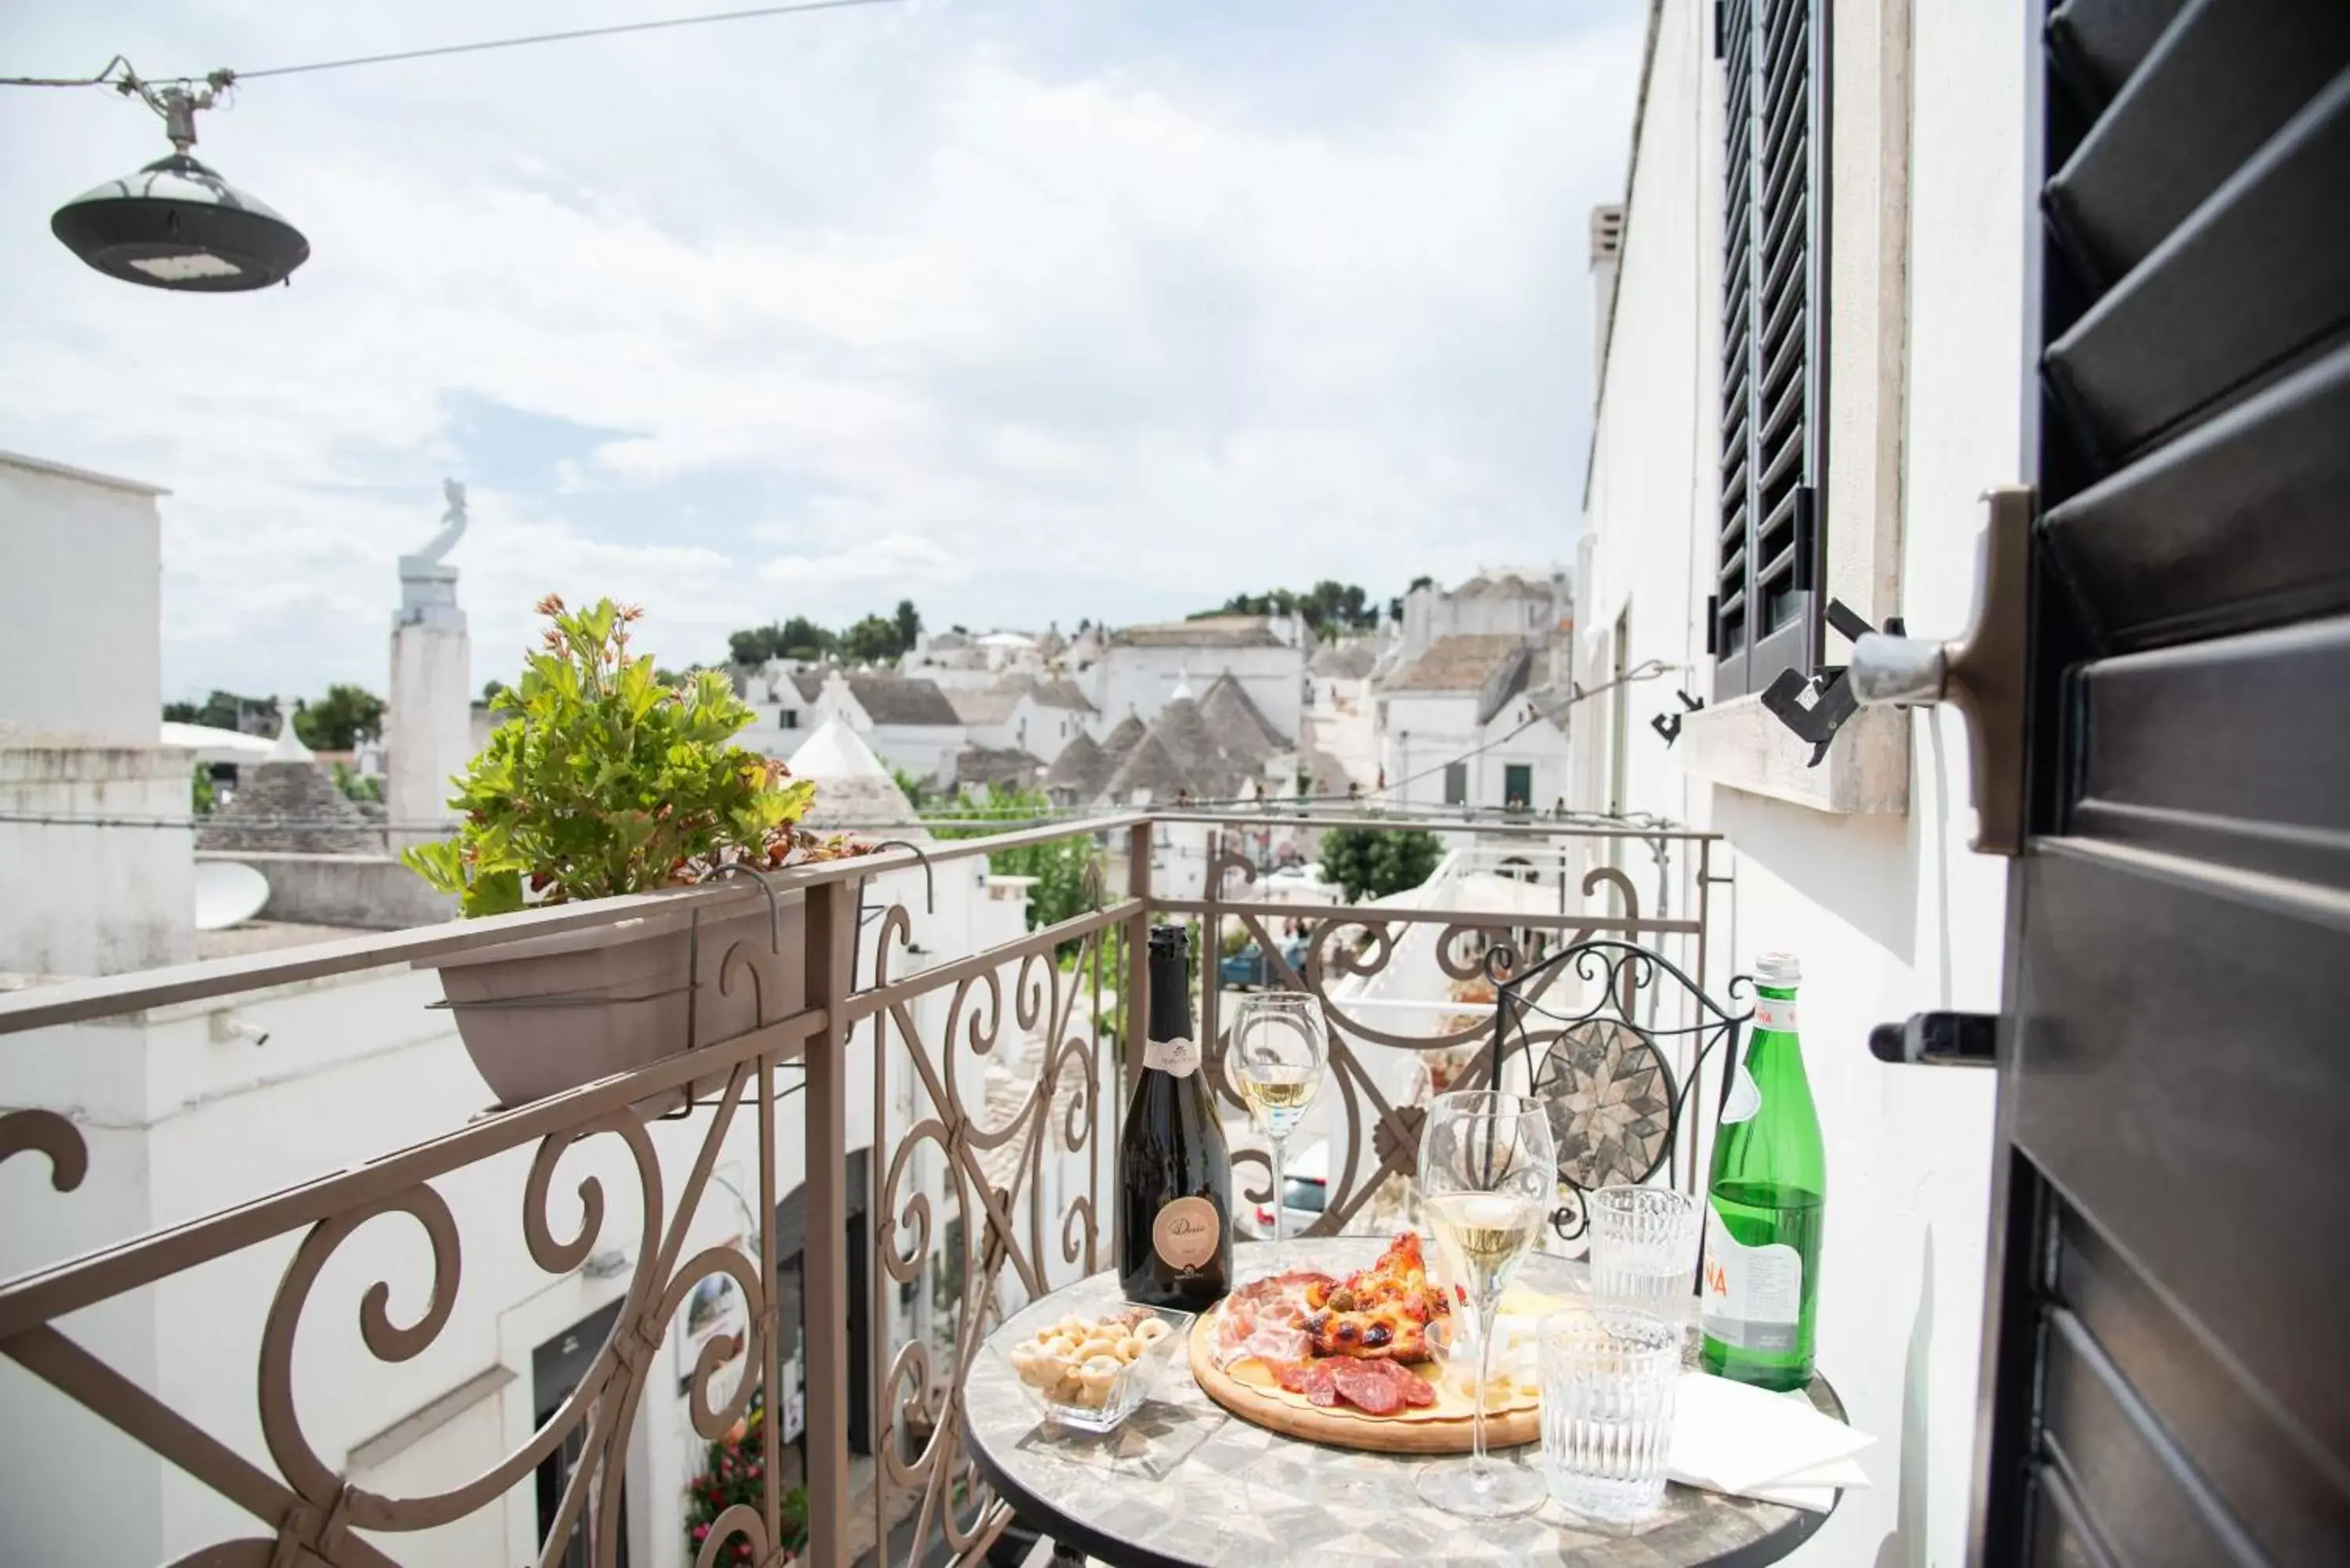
(1184, 1484)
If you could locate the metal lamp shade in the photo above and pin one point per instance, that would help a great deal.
(177, 225)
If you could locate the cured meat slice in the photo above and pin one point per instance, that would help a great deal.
(1368, 1386)
(1321, 1384)
(1417, 1390)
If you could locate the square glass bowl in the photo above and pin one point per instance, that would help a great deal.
(1091, 1368)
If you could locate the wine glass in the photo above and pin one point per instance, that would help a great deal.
(1487, 1179)
(1279, 1047)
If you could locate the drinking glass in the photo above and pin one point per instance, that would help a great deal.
(1487, 1176)
(1280, 1045)
(1644, 1248)
(1608, 1377)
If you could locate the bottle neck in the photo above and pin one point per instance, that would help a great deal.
(1774, 1031)
(1171, 997)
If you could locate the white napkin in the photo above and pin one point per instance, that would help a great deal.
(1733, 1437)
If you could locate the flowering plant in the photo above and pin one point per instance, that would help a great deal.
(604, 780)
(735, 1473)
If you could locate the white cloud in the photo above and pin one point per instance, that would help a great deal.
(952, 305)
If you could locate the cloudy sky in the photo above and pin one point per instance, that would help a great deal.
(1026, 309)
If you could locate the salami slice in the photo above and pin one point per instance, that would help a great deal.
(1417, 1390)
(1321, 1384)
(1368, 1386)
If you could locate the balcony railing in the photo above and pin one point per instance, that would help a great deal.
(977, 1196)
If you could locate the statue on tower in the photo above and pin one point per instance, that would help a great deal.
(428, 589)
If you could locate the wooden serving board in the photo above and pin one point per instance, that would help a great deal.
(1250, 1392)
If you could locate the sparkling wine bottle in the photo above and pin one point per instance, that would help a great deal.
(1765, 1200)
(1175, 1173)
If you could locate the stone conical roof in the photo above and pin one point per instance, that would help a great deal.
(1080, 771)
(852, 784)
(290, 804)
(1149, 766)
(1238, 724)
(1182, 729)
(1122, 738)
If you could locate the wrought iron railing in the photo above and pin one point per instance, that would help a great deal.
(956, 1195)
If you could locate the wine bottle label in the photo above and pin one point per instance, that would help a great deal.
(1177, 1058)
(1753, 1295)
(1186, 1232)
(1746, 1098)
(1778, 1015)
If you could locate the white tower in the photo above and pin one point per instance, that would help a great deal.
(427, 731)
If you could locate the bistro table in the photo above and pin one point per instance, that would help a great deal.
(1185, 1484)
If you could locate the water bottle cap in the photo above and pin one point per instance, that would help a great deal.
(1777, 970)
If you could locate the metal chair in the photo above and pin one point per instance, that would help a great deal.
(1617, 1110)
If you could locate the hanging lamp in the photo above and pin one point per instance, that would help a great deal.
(175, 224)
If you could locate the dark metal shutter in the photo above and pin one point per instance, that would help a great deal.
(1773, 313)
(2169, 1380)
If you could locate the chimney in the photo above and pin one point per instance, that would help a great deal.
(1607, 251)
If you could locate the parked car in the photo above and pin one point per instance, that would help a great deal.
(1305, 1191)
(1250, 967)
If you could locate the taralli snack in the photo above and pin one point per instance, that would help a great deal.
(1079, 1360)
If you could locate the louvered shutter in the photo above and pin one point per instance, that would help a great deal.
(2169, 1382)
(1773, 319)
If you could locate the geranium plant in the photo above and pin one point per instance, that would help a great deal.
(603, 780)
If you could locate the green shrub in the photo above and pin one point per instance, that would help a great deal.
(601, 781)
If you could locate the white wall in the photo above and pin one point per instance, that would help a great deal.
(80, 707)
(1890, 915)
(1424, 730)
(428, 723)
(82, 557)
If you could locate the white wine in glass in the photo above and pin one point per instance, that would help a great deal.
(1279, 1047)
(1488, 1175)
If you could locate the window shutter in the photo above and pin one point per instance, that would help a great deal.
(1774, 317)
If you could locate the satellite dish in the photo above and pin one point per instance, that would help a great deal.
(228, 893)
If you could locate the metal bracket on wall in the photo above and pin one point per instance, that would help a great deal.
(1816, 707)
(1668, 725)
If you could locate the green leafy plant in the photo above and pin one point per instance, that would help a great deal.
(733, 1471)
(601, 781)
(201, 794)
(1372, 862)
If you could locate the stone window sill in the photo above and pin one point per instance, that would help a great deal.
(1742, 745)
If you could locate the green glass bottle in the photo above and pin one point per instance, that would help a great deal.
(1765, 1200)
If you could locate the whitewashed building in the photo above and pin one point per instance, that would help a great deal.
(1893, 414)
(1140, 667)
(1468, 724)
(79, 706)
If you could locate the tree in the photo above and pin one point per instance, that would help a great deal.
(800, 638)
(1373, 862)
(335, 721)
(1329, 605)
(795, 638)
(491, 691)
(909, 625)
(754, 645)
(873, 640)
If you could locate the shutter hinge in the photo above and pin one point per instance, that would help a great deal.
(1982, 672)
(1712, 625)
